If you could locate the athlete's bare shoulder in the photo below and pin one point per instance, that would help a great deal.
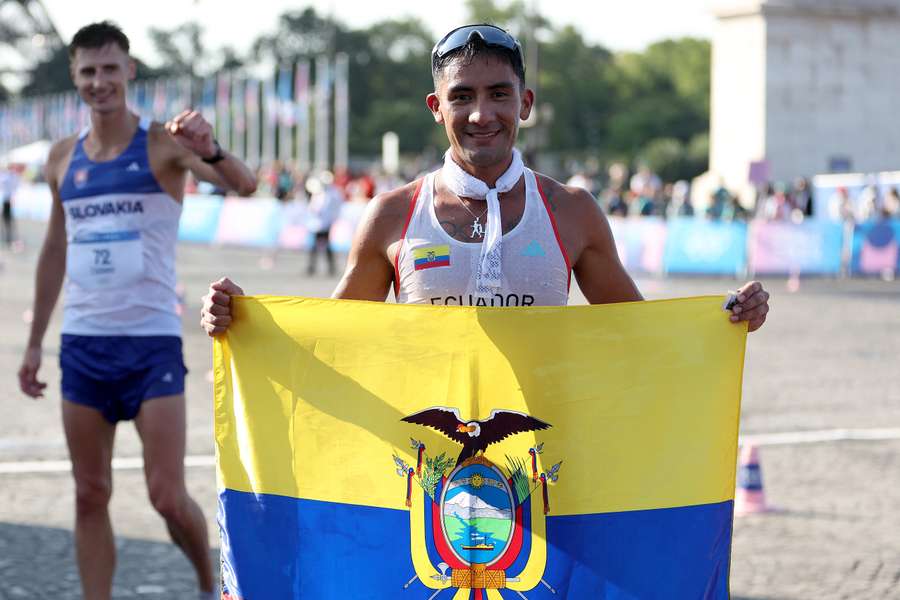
(387, 212)
(566, 199)
(369, 268)
(578, 217)
(58, 159)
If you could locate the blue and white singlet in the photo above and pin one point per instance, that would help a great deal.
(121, 229)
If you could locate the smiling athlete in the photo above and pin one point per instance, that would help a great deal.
(484, 230)
(117, 190)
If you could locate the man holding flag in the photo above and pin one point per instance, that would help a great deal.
(117, 190)
(309, 517)
(484, 230)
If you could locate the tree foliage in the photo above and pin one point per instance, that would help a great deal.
(181, 49)
(651, 105)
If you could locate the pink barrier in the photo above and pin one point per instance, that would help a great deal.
(640, 243)
(811, 247)
(249, 222)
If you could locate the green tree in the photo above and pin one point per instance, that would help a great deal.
(487, 11)
(393, 80)
(298, 34)
(672, 159)
(574, 80)
(662, 92)
(388, 71)
(181, 49)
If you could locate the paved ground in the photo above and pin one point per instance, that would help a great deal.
(827, 359)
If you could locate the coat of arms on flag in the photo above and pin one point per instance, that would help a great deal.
(477, 514)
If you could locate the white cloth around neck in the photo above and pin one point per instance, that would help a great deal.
(489, 276)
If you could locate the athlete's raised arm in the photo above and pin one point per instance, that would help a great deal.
(205, 158)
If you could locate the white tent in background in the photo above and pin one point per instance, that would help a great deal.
(33, 154)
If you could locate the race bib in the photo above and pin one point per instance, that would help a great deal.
(102, 260)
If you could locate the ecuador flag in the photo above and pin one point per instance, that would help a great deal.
(402, 452)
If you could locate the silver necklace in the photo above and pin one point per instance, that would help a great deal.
(477, 225)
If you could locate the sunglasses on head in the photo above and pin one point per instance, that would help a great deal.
(489, 34)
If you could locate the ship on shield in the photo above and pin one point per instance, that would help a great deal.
(476, 525)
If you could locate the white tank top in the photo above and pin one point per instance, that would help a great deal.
(432, 267)
(121, 229)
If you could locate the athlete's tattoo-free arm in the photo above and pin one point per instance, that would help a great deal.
(229, 173)
(598, 270)
(51, 270)
(192, 139)
(369, 272)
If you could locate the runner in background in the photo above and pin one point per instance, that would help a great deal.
(117, 189)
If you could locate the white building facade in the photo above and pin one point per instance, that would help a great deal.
(809, 86)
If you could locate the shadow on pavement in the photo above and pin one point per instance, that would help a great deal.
(39, 562)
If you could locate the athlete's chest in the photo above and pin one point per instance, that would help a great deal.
(465, 220)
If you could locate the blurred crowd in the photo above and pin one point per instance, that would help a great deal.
(871, 205)
(620, 192)
(643, 194)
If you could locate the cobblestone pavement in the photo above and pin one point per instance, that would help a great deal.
(827, 359)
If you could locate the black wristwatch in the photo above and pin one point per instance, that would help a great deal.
(219, 155)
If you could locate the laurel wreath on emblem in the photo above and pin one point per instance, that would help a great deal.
(479, 505)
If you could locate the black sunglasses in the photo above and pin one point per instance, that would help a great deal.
(489, 34)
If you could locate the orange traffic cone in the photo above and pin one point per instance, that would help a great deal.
(749, 497)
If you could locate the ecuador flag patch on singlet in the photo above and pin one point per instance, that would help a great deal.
(428, 257)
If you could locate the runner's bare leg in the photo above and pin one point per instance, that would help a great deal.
(90, 439)
(161, 425)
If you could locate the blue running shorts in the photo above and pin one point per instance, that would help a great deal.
(115, 374)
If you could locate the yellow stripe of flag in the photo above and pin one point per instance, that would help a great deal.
(643, 398)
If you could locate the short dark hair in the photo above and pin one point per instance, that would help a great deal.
(98, 35)
(474, 48)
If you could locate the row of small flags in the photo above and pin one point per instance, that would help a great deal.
(259, 120)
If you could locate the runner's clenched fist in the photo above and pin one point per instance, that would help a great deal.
(193, 132)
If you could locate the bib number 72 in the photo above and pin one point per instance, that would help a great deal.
(102, 257)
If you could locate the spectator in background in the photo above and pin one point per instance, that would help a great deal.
(9, 183)
(284, 183)
(325, 200)
(680, 205)
(616, 205)
(890, 208)
(717, 201)
(733, 210)
(644, 203)
(802, 197)
(617, 174)
(583, 180)
(777, 206)
(840, 206)
(664, 200)
(365, 186)
(645, 182)
(868, 204)
(356, 191)
(342, 178)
